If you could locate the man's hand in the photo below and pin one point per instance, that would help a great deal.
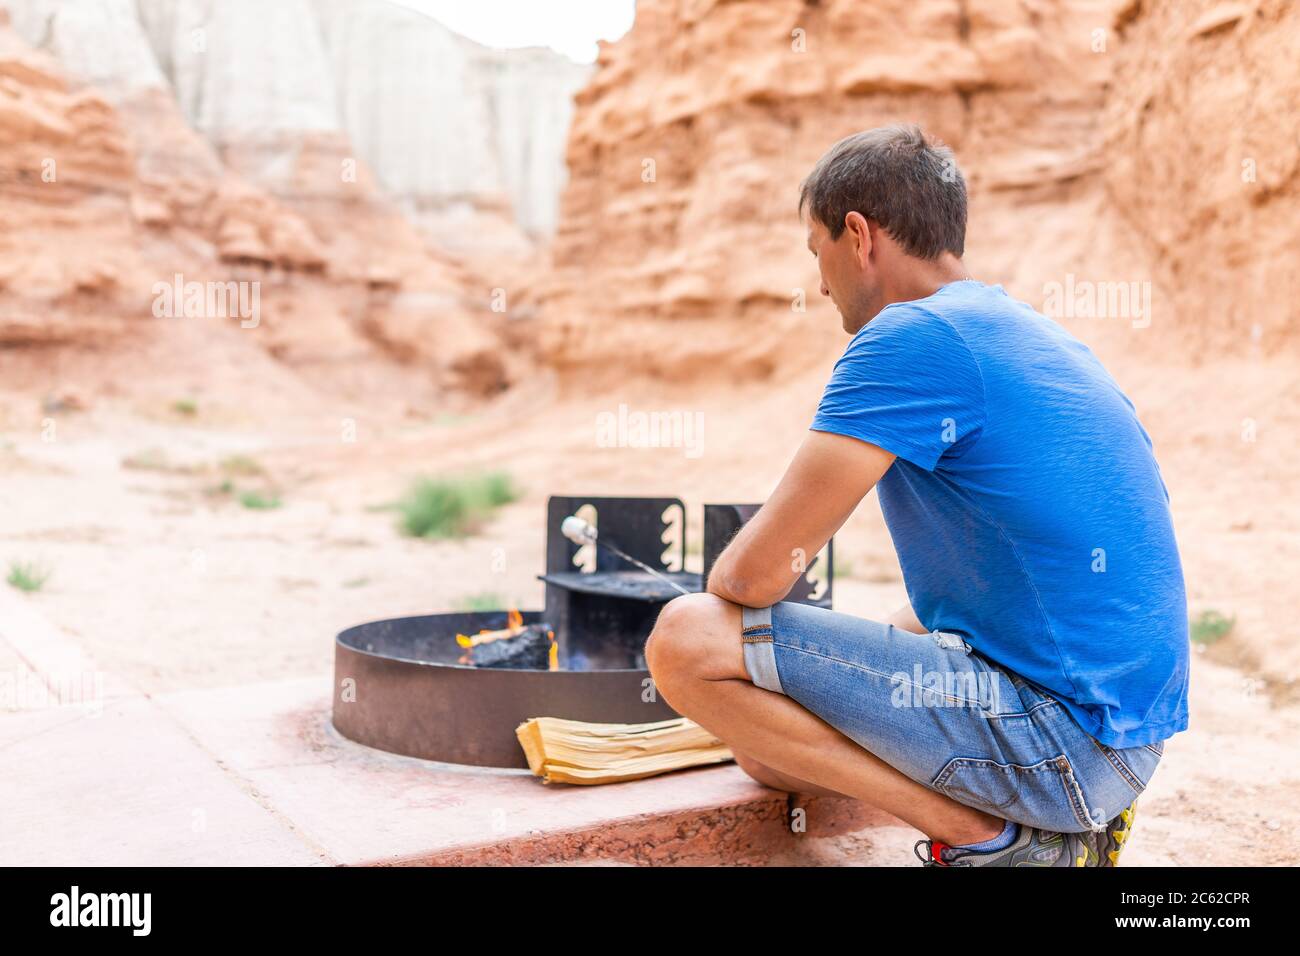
(830, 474)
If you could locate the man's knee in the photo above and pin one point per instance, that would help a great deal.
(686, 636)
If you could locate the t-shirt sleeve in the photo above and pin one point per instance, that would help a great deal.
(907, 383)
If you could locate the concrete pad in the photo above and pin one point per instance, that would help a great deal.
(362, 806)
(127, 787)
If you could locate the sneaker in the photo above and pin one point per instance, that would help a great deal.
(1031, 847)
(1117, 834)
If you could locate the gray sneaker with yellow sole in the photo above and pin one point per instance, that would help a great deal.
(1034, 847)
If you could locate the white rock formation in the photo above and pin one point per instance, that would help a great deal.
(243, 67)
(465, 138)
(530, 100)
(448, 125)
(99, 41)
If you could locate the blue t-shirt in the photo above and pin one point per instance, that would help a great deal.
(1025, 503)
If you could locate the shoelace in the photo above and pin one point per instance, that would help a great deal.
(929, 859)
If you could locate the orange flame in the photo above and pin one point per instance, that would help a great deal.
(514, 625)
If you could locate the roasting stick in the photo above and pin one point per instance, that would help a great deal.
(582, 532)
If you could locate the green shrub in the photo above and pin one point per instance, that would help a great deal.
(453, 507)
(1210, 626)
(26, 576)
(256, 501)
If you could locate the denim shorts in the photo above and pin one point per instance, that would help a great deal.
(946, 716)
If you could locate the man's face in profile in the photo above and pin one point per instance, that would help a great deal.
(843, 280)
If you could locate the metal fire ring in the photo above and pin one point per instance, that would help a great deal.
(397, 687)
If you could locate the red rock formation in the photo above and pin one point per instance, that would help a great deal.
(1085, 130)
(66, 174)
(102, 198)
(1203, 150)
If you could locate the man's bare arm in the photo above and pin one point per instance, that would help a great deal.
(829, 475)
(905, 619)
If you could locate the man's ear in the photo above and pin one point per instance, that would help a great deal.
(859, 230)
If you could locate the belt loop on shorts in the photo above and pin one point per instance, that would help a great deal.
(756, 645)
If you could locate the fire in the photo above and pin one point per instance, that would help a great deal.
(515, 627)
(514, 624)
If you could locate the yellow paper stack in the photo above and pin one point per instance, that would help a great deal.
(571, 751)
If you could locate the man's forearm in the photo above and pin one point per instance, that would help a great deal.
(723, 584)
(828, 477)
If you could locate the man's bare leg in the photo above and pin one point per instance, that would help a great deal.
(780, 781)
(698, 666)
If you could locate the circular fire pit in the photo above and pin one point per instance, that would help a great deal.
(399, 684)
(398, 687)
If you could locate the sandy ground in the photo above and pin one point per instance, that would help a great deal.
(173, 584)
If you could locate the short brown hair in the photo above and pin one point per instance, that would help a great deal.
(911, 187)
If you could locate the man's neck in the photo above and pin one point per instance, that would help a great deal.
(926, 278)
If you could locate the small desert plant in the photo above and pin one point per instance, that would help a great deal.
(224, 488)
(251, 498)
(185, 406)
(453, 507)
(26, 576)
(256, 501)
(1209, 626)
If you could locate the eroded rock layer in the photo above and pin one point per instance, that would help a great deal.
(1103, 142)
(224, 142)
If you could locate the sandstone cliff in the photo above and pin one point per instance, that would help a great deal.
(1203, 162)
(107, 193)
(1086, 129)
(145, 140)
(65, 172)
